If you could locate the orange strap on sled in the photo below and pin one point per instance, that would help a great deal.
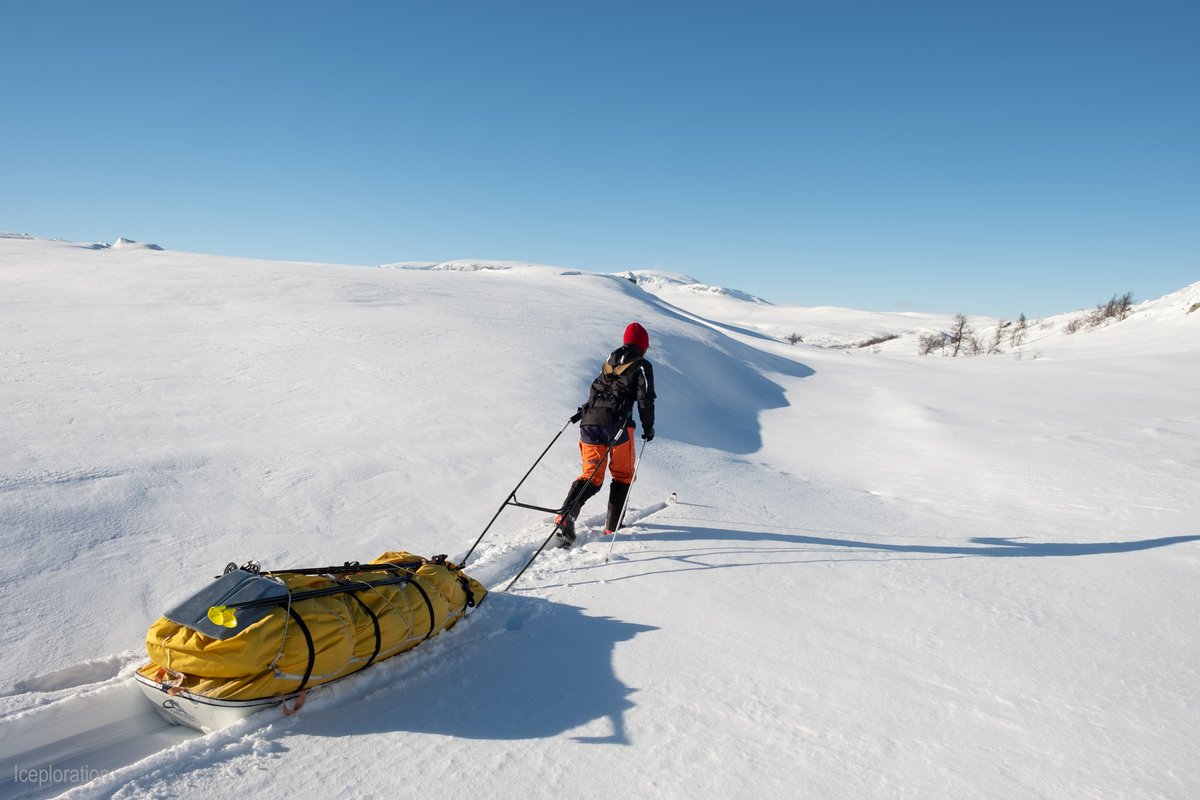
(296, 706)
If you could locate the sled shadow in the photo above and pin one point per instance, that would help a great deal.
(524, 668)
(980, 547)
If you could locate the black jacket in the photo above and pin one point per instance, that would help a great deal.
(626, 380)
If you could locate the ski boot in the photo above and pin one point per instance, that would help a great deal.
(564, 524)
(618, 493)
(564, 530)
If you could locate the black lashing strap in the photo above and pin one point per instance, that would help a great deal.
(456, 571)
(428, 605)
(375, 622)
(415, 582)
(312, 651)
(466, 587)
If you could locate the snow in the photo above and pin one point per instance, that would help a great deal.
(887, 575)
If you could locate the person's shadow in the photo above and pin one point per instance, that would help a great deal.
(519, 668)
(978, 547)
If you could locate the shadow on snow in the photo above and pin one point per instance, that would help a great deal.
(714, 388)
(985, 547)
(529, 668)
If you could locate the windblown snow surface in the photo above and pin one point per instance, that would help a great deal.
(887, 575)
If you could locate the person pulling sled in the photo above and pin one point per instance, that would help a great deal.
(606, 421)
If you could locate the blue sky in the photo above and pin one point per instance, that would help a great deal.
(992, 158)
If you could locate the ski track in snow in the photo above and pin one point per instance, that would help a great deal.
(497, 563)
(94, 714)
(90, 714)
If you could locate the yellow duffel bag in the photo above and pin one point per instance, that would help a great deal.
(259, 634)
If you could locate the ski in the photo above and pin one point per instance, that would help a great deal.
(671, 500)
(564, 539)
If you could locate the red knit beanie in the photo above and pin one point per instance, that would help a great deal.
(636, 335)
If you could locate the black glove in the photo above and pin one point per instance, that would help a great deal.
(578, 415)
(648, 434)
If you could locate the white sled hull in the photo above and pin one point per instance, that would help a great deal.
(202, 713)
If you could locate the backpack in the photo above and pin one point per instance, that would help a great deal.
(614, 391)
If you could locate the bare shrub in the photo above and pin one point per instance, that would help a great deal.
(1121, 307)
(993, 347)
(1017, 335)
(794, 338)
(960, 333)
(931, 342)
(1118, 308)
(887, 337)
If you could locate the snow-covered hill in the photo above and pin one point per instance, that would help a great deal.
(888, 575)
(899, 332)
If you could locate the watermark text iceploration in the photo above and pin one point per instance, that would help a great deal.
(51, 775)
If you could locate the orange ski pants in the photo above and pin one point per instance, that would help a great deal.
(620, 462)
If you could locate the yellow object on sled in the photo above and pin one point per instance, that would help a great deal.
(260, 635)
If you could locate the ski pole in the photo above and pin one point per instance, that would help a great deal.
(624, 508)
(513, 494)
(612, 443)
